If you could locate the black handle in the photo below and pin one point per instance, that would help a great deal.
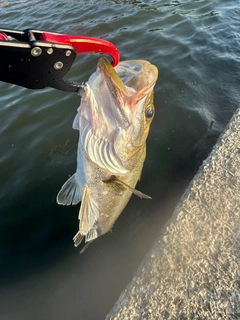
(27, 61)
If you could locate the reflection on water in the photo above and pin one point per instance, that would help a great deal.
(195, 45)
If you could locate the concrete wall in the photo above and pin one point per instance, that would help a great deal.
(193, 269)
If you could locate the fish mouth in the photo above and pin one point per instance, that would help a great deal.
(128, 83)
(119, 93)
(115, 84)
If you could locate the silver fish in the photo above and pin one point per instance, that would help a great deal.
(113, 120)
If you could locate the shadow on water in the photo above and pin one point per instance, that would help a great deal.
(195, 45)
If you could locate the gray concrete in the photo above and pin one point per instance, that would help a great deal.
(193, 269)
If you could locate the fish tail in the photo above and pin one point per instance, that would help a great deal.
(71, 192)
(78, 239)
(89, 237)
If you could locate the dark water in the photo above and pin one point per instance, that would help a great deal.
(196, 47)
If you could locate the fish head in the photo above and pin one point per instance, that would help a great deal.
(130, 85)
(117, 104)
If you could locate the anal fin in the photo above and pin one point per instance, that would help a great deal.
(88, 213)
(119, 185)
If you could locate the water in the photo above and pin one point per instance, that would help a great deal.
(196, 47)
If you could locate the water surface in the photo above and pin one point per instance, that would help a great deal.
(195, 45)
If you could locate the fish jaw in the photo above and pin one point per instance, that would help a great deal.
(120, 93)
(129, 82)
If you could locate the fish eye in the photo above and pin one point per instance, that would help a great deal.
(149, 112)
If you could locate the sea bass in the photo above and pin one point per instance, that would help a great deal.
(113, 120)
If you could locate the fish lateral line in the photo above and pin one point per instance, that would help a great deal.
(119, 185)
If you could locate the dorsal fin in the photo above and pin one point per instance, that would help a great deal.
(71, 192)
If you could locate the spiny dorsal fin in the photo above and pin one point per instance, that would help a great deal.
(119, 185)
(71, 192)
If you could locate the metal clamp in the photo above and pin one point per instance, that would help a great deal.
(35, 59)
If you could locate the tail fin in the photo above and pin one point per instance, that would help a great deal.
(92, 234)
(78, 239)
(71, 192)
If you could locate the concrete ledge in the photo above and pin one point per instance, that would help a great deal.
(193, 269)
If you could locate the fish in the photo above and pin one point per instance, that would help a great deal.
(113, 120)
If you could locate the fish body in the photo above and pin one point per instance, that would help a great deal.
(113, 120)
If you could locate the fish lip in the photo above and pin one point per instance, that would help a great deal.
(111, 76)
(124, 91)
(122, 95)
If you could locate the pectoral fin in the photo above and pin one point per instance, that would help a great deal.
(119, 185)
